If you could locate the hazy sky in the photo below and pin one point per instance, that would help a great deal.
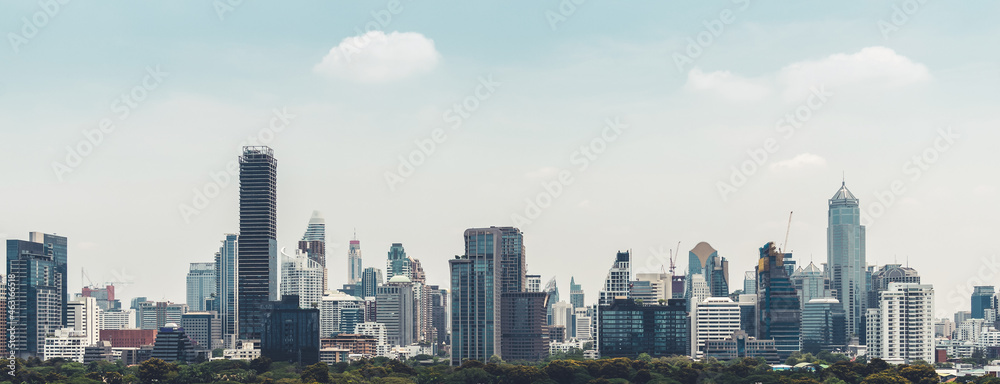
(637, 117)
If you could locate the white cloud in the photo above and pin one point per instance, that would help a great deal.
(726, 84)
(805, 160)
(870, 68)
(376, 57)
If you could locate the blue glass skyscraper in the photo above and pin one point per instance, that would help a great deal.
(845, 239)
(982, 301)
(226, 284)
(475, 291)
(705, 260)
(36, 269)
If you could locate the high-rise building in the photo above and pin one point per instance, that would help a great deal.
(716, 318)
(778, 310)
(583, 325)
(534, 283)
(302, 276)
(552, 290)
(659, 286)
(513, 266)
(81, 315)
(982, 301)
(313, 243)
(398, 263)
(475, 305)
(575, 294)
(204, 329)
(811, 284)
(354, 267)
(200, 285)
(890, 273)
(257, 248)
(962, 316)
(901, 329)
(824, 326)
(845, 239)
(525, 334)
(698, 290)
(562, 315)
(227, 287)
(628, 329)
(705, 260)
(616, 285)
(750, 283)
(395, 305)
(155, 315)
(290, 333)
(116, 319)
(173, 344)
(439, 314)
(748, 313)
(36, 272)
(105, 297)
(339, 313)
(370, 280)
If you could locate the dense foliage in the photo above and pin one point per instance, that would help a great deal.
(643, 370)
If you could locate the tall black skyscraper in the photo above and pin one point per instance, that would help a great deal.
(257, 256)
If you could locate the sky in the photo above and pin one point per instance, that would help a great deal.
(593, 126)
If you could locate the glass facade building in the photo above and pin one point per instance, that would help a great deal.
(257, 255)
(845, 239)
(627, 329)
(313, 243)
(200, 285)
(475, 297)
(575, 294)
(226, 284)
(370, 280)
(705, 260)
(982, 301)
(824, 326)
(36, 271)
(778, 309)
(291, 334)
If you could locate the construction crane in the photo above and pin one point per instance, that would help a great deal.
(673, 259)
(787, 232)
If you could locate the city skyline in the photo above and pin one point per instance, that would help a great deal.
(673, 171)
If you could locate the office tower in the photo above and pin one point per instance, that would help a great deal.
(552, 290)
(845, 238)
(397, 263)
(81, 315)
(339, 313)
(525, 334)
(313, 243)
(575, 293)
(302, 276)
(66, 343)
(105, 297)
(154, 315)
(395, 305)
(475, 305)
(583, 320)
(705, 260)
(204, 329)
(354, 268)
(439, 305)
(748, 313)
(422, 307)
(619, 276)
(824, 326)
(116, 319)
(741, 345)
(36, 273)
(962, 316)
(533, 283)
(778, 309)
(173, 344)
(716, 318)
(370, 280)
(227, 286)
(513, 266)
(889, 273)
(659, 285)
(750, 283)
(811, 284)
(562, 315)
(698, 290)
(200, 285)
(257, 247)
(290, 333)
(982, 301)
(628, 329)
(677, 284)
(901, 329)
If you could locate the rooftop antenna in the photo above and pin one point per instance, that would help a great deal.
(355, 233)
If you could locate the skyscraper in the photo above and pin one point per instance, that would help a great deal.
(575, 293)
(901, 329)
(982, 301)
(302, 276)
(81, 315)
(290, 333)
(890, 273)
(36, 271)
(395, 306)
(200, 285)
(513, 266)
(313, 243)
(370, 280)
(845, 239)
(811, 284)
(616, 285)
(534, 283)
(823, 326)
(354, 269)
(552, 291)
(660, 287)
(525, 332)
(257, 255)
(778, 310)
(716, 318)
(475, 308)
(227, 287)
(397, 263)
(705, 260)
